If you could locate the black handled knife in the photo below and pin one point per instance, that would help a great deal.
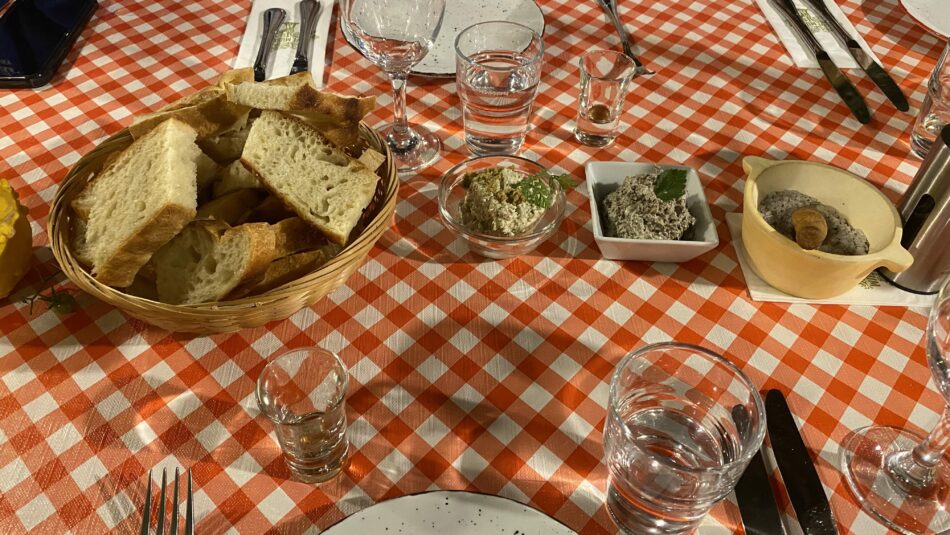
(801, 479)
(839, 81)
(757, 505)
(309, 11)
(273, 18)
(874, 70)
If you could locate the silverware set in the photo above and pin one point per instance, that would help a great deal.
(610, 8)
(757, 505)
(273, 19)
(846, 90)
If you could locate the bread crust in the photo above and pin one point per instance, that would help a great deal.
(209, 112)
(120, 269)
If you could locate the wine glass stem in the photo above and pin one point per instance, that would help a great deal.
(400, 135)
(913, 470)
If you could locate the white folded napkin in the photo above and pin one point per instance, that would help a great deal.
(285, 45)
(874, 290)
(801, 53)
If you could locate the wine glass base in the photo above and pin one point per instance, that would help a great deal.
(421, 152)
(864, 463)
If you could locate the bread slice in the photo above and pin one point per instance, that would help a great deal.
(140, 202)
(236, 76)
(232, 208)
(271, 210)
(207, 170)
(336, 116)
(227, 146)
(208, 111)
(293, 235)
(316, 180)
(286, 269)
(207, 260)
(372, 159)
(234, 177)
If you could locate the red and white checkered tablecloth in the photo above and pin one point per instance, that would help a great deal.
(465, 373)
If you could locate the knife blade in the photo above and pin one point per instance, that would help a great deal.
(838, 80)
(873, 69)
(309, 11)
(757, 504)
(801, 479)
(273, 18)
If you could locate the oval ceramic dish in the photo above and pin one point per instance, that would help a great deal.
(812, 274)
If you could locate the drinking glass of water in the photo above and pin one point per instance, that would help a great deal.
(935, 111)
(673, 449)
(396, 35)
(605, 78)
(497, 68)
(302, 393)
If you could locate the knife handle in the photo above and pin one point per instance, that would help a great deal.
(273, 18)
(309, 10)
(789, 12)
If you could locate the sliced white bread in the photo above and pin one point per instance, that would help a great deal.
(312, 177)
(232, 208)
(234, 177)
(208, 111)
(286, 269)
(227, 146)
(372, 159)
(207, 260)
(293, 235)
(140, 202)
(207, 171)
(271, 210)
(236, 76)
(336, 116)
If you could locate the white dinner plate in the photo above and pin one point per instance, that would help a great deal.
(931, 14)
(449, 512)
(460, 14)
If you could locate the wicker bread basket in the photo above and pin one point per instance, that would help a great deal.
(223, 316)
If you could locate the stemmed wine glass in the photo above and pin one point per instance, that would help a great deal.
(899, 477)
(395, 35)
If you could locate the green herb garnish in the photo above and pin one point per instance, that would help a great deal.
(536, 191)
(670, 185)
(59, 301)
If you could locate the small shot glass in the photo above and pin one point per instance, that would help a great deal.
(605, 79)
(302, 392)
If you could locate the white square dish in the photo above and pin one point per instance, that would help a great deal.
(605, 177)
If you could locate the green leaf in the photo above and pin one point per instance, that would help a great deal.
(537, 192)
(670, 185)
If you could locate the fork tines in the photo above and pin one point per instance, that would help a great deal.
(147, 510)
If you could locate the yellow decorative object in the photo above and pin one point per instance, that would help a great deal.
(16, 240)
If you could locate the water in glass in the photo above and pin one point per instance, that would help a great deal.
(498, 68)
(935, 111)
(671, 445)
(302, 393)
(605, 77)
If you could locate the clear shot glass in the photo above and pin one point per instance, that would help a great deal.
(302, 392)
(605, 80)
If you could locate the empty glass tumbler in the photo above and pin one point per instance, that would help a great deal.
(498, 68)
(302, 393)
(605, 80)
(673, 449)
(935, 111)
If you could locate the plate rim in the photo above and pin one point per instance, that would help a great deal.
(930, 29)
(452, 491)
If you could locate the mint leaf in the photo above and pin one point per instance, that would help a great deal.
(537, 192)
(670, 185)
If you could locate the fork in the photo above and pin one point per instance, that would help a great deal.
(189, 511)
(610, 7)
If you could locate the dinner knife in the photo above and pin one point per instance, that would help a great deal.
(874, 70)
(838, 80)
(273, 18)
(309, 11)
(757, 504)
(801, 479)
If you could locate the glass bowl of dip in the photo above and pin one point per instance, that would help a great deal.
(484, 241)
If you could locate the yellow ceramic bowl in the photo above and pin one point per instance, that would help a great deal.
(814, 274)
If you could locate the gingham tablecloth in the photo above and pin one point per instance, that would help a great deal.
(465, 373)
